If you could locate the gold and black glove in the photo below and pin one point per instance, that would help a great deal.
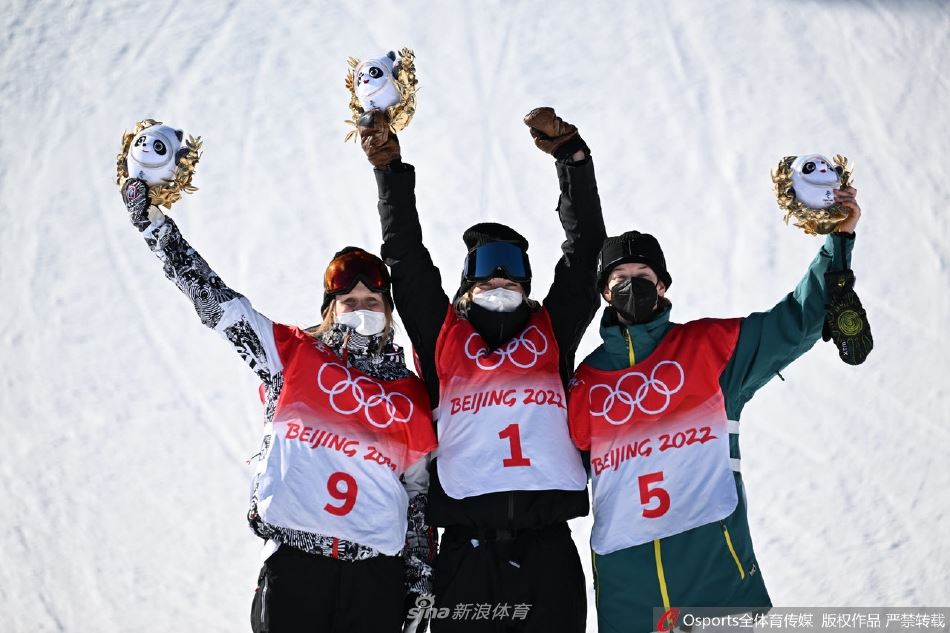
(846, 322)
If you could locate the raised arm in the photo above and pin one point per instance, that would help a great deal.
(220, 308)
(417, 284)
(769, 341)
(572, 299)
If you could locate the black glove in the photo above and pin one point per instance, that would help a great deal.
(846, 323)
(135, 195)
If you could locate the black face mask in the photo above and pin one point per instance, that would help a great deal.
(635, 299)
(497, 327)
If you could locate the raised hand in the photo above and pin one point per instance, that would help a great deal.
(847, 198)
(377, 140)
(554, 135)
(135, 195)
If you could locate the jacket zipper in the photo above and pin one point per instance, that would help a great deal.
(732, 550)
(264, 603)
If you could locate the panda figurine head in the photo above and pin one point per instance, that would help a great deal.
(813, 178)
(155, 153)
(374, 84)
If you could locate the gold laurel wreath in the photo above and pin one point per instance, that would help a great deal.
(812, 221)
(404, 78)
(168, 194)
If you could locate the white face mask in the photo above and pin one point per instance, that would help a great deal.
(365, 322)
(498, 299)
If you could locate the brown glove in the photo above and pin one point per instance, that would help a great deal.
(379, 143)
(554, 135)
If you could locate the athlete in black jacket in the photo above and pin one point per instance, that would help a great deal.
(510, 547)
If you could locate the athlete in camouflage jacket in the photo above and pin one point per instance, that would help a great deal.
(251, 334)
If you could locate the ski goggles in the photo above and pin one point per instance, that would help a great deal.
(497, 259)
(349, 268)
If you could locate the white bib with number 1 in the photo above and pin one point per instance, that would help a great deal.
(502, 422)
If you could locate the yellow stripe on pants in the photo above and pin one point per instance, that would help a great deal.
(660, 575)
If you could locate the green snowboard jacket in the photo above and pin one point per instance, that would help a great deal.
(713, 564)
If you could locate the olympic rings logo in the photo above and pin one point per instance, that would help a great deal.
(522, 351)
(349, 396)
(629, 399)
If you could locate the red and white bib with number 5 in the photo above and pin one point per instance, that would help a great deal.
(659, 437)
(502, 419)
(340, 441)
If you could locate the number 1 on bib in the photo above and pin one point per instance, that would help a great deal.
(513, 434)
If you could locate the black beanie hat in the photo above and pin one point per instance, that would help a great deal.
(387, 291)
(485, 233)
(633, 247)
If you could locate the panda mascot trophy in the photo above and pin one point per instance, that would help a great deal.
(803, 186)
(159, 155)
(383, 83)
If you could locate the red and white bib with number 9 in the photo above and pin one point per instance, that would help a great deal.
(340, 441)
(502, 420)
(659, 438)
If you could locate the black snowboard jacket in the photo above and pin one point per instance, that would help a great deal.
(571, 302)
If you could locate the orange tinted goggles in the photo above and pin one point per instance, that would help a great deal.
(352, 267)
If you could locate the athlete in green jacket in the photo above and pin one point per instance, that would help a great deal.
(713, 564)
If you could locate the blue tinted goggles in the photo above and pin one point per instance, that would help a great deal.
(497, 259)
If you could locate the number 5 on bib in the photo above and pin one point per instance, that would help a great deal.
(647, 495)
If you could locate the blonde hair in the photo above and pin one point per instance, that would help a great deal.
(329, 319)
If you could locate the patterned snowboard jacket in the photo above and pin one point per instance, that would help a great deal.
(251, 334)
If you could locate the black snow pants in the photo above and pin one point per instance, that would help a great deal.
(299, 592)
(494, 581)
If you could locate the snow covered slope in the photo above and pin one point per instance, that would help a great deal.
(126, 423)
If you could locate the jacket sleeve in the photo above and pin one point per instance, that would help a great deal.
(227, 312)
(417, 284)
(769, 341)
(421, 538)
(573, 299)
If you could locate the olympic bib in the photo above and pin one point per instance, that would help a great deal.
(339, 442)
(502, 420)
(659, 438)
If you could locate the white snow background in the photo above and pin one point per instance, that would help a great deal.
(126, 424)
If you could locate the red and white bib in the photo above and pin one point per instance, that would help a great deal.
(659, 437)
(340, 441)
(502, 419)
